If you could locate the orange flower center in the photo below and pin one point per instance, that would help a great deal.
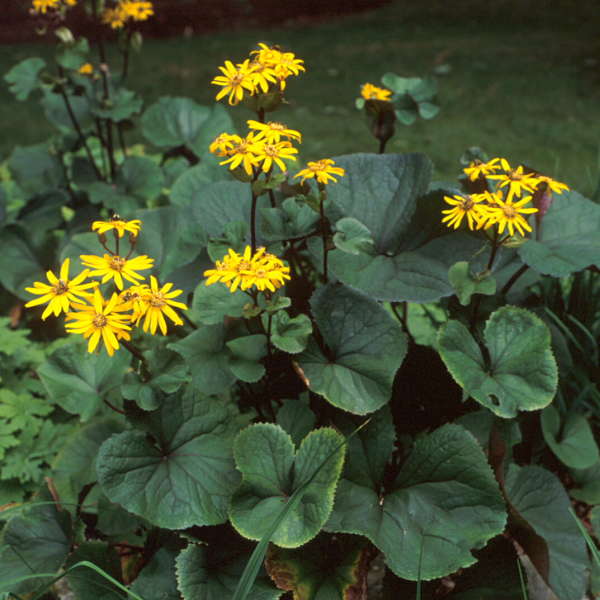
(509, 212)
(117, 263)
(515, 175)
(100, 321)
(157, 300)
(61, 287)
(467, 203)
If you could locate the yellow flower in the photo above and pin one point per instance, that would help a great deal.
(553, 185)
(509, 214)
(275, 153)
(283, 64)
(234, 81)
(42, 6)
(272, 131)
(118, 225)
(100, 319)
(86, 69)
(224, 143)
(260, 269)
(288, 64)
(261, 76)
(116, 267)
(478, 168)
(114, 17)
(157, 303)
(243, 153)
(136, 9)
(516, 180)
(323, 170)
(371, 92)
(464, 205)
(61, 292)
(133, 297)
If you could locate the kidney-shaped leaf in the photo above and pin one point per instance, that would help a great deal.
(364, 349)
(181, 476)
(444, 503)
(272, 471)
(522, 373)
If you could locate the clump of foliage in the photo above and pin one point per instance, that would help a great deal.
(349, 364)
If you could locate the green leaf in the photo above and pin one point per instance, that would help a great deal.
(272, 471)
(212, 574)
(365, 348)
(78, 381)
(246, 354)
(588, 482)
(546, 530)
(23, 410)
(353, 237)
(74, 54)
(572, 440)
(381, 192)
(234, 238)
(35, 169)
(140, 177)
(296, 418)
(19, 265)
(57, 113)
(192, 182)
(522, 373)
(212, 303)
(87, 584)
(444, 503)
(172, 122)
(207, 356)
(122, 105)
(292, 220)
(184, 474)
(570, 240)
(157, 580)
(23, 78)
(428, 110)
(326, 568)
(465, 284)
(22, 554)
(289, 334)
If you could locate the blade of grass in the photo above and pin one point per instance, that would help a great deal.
(419, 568)
(589, 541)
(257, 557)
(522, 580)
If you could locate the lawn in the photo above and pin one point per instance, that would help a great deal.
(528, 93)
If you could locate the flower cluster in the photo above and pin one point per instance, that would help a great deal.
(322, 170)
(371, 92)
(261, 269)
(109, 319)
(41, 7)
(266, 145)
(265, 71)
(125, 11)
(504, 201)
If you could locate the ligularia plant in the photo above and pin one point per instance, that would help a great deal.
(282, 379)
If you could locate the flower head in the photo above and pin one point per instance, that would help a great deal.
(224, 144)
(509, 214)
(156, 302)
(516, 180)
(555, 186)
(100, 319)
(234, 81)
(61, 292)
(261, 269)
(283, 64)
(42, 6)
(118, 225)
(371, 92)
(244, 153)
(272, 131)
(116, 267)
(127, 10)
(478, 168)
(86, 69)
(468, 205)
(322, 170)
(274, 153)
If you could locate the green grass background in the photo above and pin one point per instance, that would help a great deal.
(529, 92)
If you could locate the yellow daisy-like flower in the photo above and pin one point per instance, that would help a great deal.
(136, 9)
(261, 76)
(244, 153)
(263, 270)
(157, 303)
(100, 319)
(42, 6)
(371, 92)
(133, 297)
(478, 168)
(266, 55)
(120, 226)
(509, 214)
(322, 170)
(272, 132)
(224, 143)
(283, 64)
(516, 180)
(288, 64)
(555, 186)
(116, 267)
(86, 69)
(61, 291)
(462, 206)
(275, 153)
(234, 81)
(114, 17)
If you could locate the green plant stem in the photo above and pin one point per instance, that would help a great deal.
(145, 371)
(103, 150)
(495, 245)
(261, 114)
(516, 275)
(323, 234)
(122, 139)
(125, 69)
(382, 144)
(253, 222)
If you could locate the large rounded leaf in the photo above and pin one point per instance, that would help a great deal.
(183, 474)
(521, 374)
(444, 503)
(272, 471)
(570, 240)
(364, 349)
